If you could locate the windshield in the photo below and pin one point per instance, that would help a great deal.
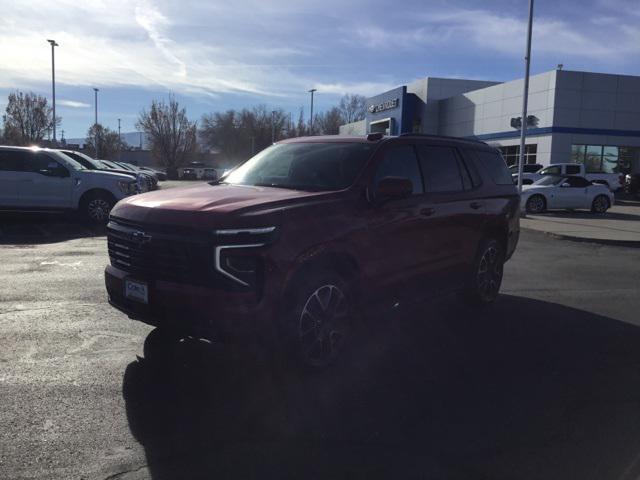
(69, 160)
(549, 180)
(304, 166)
(84, 160)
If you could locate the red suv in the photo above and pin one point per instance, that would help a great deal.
(302, 240)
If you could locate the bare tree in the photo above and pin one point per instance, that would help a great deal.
(328, 123)
(28, 119)
(171, 135)
(302, 128)
(353, 107)
(102, 142)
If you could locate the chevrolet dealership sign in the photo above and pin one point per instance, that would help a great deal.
(386, 105)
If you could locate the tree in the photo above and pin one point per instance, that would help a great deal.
(302, 128)
(353, 107)
(328, 123)
(171, 135)
(28, 119)
(102, 142)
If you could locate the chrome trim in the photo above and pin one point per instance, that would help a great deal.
(251, 231)
(218, 265)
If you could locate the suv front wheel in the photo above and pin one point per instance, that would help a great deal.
(484, 286)
(96, 207)
(321, 319)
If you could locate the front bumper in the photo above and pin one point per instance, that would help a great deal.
(192, 310)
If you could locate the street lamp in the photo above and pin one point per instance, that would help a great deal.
(312, 91)
(525, 95)
(95, 124)
(53, 84)
(95, 91)
(119, 142)
(273, 126)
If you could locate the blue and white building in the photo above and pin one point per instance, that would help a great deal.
(590, 118)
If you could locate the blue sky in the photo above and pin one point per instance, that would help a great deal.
(217, 55)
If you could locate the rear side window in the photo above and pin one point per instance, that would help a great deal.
(493, 163)
(401, 161)
(10, 161)
(440, 169)
(573, 169)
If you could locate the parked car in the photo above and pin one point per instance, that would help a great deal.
(152, 181)
(160, 175)
(210, 174)
(632, 183)
(93, 164)
(526, 168)
(612, 180)
(43, 179)
(193, 171)
(312, 233)
(565, 192)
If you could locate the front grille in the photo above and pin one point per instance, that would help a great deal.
(158, 255)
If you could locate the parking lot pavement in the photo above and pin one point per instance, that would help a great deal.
(546, 384)
(620, 225)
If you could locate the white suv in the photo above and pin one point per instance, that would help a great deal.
(43, 179)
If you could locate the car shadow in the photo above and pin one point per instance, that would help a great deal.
(580, 214)
(527, 389)
(33, 228)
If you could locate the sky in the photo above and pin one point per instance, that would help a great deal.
(215, 55)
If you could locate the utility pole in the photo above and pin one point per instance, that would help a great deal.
(95, 123)
(53, 84)
(525, 98)
(119, 141)
(312, 91)
(273, 126)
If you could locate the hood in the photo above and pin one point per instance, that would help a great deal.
(107, 174)
(534, 188)
(205, 205)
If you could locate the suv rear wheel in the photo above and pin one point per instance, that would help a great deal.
(321, 319)
(96, 206)
(484, 286)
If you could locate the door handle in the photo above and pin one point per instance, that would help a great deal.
(427, 212)
(475, 205)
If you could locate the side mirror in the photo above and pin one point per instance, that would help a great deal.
(565, 185)
(393, 188)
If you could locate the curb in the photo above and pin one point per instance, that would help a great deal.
(598, 241)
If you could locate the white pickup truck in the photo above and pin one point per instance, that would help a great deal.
(612, 180)
(43, 179)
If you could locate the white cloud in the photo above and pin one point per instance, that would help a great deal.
(72, 104)
(367, 89)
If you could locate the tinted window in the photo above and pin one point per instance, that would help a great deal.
(10, 161)
(304, 166)
(495, 166)
(551, 171)
(531, 168)
(41, 162)
(573, 169)
(440, 169)
(578, 182)
(401, 161)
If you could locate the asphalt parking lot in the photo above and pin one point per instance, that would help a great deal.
(544, 385)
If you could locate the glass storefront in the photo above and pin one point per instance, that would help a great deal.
(511, 153)
(605, 158)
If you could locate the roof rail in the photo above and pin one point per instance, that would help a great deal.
(448, 137)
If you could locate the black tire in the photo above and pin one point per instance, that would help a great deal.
(536, 204)
(96, 207)
(484, 285)
(320, 319)
(160, 347)
(600, 204)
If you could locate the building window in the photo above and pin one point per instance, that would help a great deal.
(601, 158)
(511, 153)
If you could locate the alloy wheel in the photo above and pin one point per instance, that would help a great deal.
(600, 204)
(324, 325)
(489, 275)
(535, 204)
(98, 209)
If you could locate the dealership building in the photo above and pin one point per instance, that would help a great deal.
(583, 117)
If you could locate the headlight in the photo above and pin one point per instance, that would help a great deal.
(231, 258)
(128, 188)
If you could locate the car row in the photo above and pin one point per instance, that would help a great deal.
(47, 179)
(533, 172)
(293, 246)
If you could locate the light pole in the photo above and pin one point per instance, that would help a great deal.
(525, 95)
(95, 123)
(273, 126)
(53, 84)
(312, 91)
(95, 91)
(119, 141)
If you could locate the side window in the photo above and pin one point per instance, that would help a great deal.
(551, 171)
(578, 182)
(573, 169)
(10, 161)
(495, 166)
(440, 170)
(401, 161)
(44, 164)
